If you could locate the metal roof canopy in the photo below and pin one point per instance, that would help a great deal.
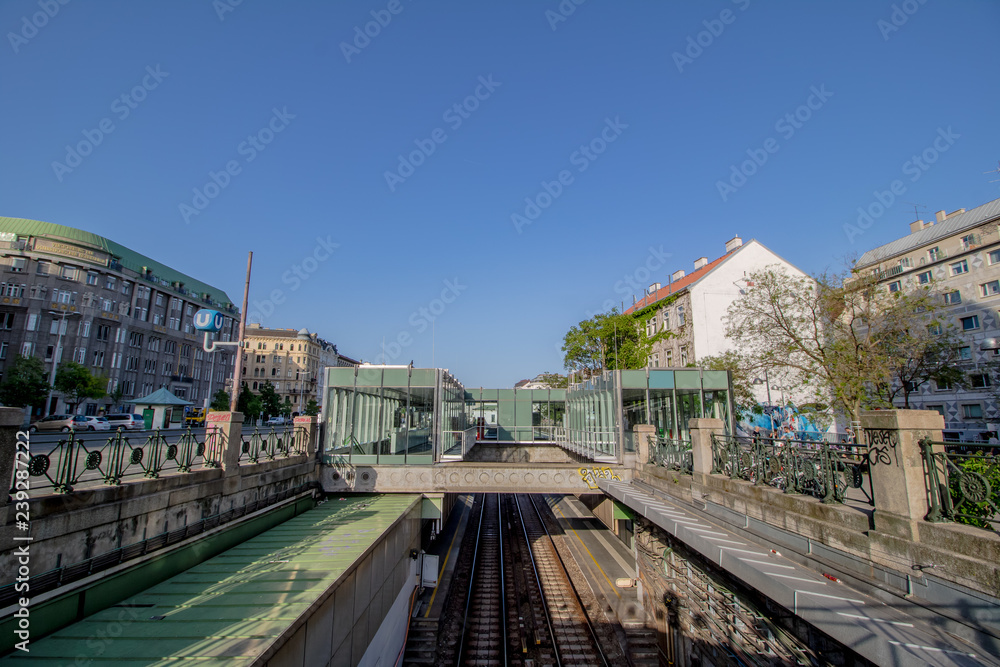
(234, 606)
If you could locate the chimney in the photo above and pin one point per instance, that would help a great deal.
(653, 288)
(916, 226)
(940, 215)
(733, 243)
(700, 262)
(677, 275)
(961, 210)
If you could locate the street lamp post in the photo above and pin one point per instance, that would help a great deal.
(56, 355)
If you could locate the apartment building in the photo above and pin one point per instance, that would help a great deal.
(693, 305)
(292, 361)
(67, 294)
(959, 253)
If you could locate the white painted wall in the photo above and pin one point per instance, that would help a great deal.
(711, 296)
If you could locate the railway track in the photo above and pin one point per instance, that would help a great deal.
(521, 607)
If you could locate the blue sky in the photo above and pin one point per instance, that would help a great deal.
(622, 122)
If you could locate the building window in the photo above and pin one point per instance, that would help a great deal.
(85, 329)
(80, 356)
(126, 287)
(991, 288)
(276, 359)
(924, 278)
(110, 282)
(934, 254)
(6, 320)
(958, 268)
(964, 352)
(135, 339)
(42, 269)
(98, 358)
(103, 332)
(994, 256)
(92, 278)
(684, 356)
(979, 381)
(938, 408)
(27, 349)
(69, 272)
(953, 298)
(32, 324)
(972, 411)
(170, 347)
(159, 299)
(943, 385)
(906, 262)
(970, 323)
(3, 349)
(895, 286)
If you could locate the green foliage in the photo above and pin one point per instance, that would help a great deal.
(554, 380)
(744, 372)
(270, 402)
(76, 383)
(24, 383)
(843, 340)
(117, 394)
(287, 407)
(971, 513)
(610, 341)
(220, 401)
(312, 408)
(248, 402)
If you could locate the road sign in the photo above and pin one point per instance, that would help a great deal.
(209, 320)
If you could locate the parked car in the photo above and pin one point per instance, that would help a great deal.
(85, 423)
(127, 422)
(275, 421)
(53, 423)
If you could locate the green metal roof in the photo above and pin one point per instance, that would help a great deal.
(229, 609)
(161, 396)
(126, 257)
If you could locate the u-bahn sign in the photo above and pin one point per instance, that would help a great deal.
(209, 320)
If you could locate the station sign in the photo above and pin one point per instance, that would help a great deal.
(209, 320)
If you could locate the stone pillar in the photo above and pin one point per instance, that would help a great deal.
(229, 428)
(310, 428)
(899, 485)
(11, 420)
(701, 442)
(643, 443)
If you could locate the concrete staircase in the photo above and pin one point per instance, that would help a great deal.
(422, 642)
(642, 647)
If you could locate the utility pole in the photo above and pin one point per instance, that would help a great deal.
(238, 370)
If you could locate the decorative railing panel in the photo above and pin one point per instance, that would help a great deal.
(669, 453)
(268, 444)
(963, 483)
(832, 472)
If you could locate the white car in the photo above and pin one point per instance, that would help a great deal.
(85, 423)
(275, 421)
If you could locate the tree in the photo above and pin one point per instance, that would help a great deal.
(220, 401)
(312, 408)
(287, 407)
(24, 383)
(76, 383)
(270, 402)
(610, 341)
(837, 337)
(920, 354)
(744, 373)
(554, 380)
(248, 402)
(117, 394)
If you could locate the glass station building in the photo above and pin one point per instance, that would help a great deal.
(398, 415)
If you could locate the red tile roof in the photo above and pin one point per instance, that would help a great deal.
(678, 285)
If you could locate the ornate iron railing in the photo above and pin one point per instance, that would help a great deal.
(109, 459)
(963, 483)
(827, 471)
(268, 444)
(669, 453)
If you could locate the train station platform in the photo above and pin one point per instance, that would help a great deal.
(314, 588)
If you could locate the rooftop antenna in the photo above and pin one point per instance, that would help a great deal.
(916, 213)
(995, 171)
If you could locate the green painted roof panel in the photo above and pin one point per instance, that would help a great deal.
(232, 607)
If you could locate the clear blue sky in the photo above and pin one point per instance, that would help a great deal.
(678, 126)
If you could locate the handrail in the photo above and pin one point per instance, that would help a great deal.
(963, 483)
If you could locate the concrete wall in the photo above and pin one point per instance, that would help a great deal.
(73, 527)
(490, 453)
(345, 627)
